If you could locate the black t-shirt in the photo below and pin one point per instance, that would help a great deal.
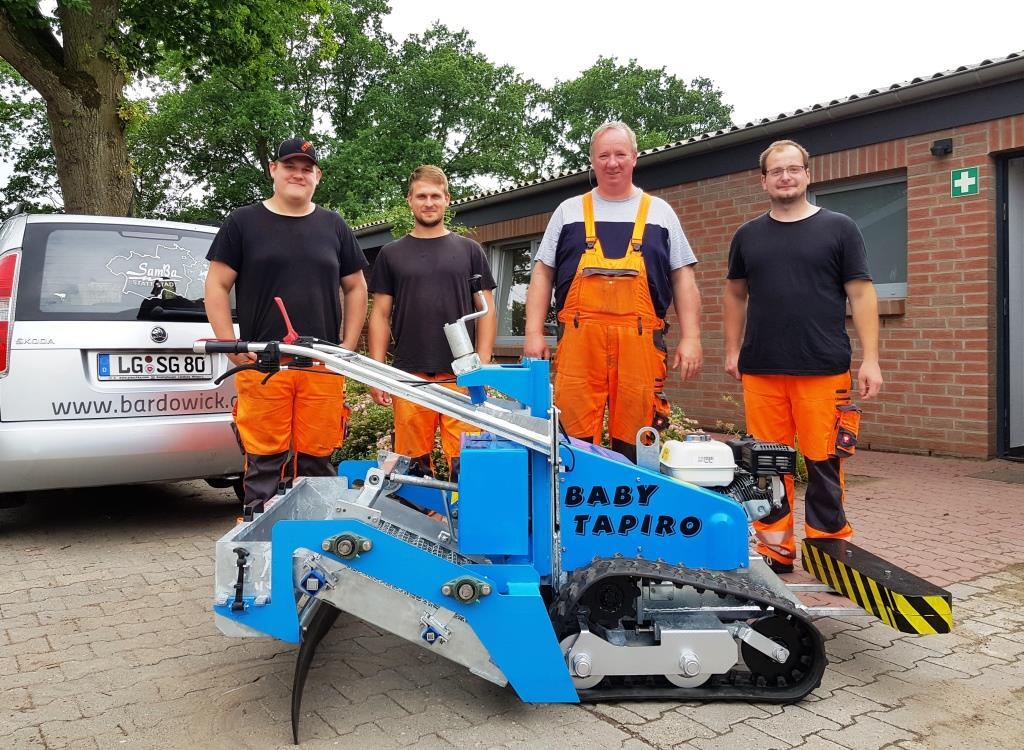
(300, 259)
(796, 309)
(428, 280)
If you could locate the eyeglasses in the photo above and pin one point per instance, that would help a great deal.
(793, 171)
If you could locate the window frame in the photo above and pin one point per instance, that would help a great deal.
(494, 256)
(897, 290)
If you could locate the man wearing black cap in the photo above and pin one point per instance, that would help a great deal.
(287, 247)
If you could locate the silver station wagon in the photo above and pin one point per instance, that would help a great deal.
(98, 381)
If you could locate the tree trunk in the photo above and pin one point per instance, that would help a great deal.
(82, 85)
(88, 143)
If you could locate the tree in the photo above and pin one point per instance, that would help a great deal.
(658, 106)
(81, 58)
(203, 147)
(439, 102)
(376, 109)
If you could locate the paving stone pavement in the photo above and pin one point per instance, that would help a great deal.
(107, 641)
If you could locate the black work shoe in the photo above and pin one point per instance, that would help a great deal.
(776, 566)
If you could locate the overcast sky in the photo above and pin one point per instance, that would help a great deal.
(766, 58)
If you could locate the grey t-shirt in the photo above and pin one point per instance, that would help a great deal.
(665, 247)
(428, 280)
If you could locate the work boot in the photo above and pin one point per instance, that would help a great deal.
(776, 566)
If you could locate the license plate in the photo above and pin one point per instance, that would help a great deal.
(167, 366)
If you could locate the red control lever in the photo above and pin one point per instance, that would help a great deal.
(292, 336)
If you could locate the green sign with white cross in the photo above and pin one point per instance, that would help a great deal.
(963, 182)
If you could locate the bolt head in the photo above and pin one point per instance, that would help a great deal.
(446, 590)
(366, 546)
(689, 663)
(466, 592)
(345, 547)
(325, 546)
(780, 655)
(581, 665)
(485, 590)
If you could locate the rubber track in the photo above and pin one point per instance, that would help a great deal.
(736, 685)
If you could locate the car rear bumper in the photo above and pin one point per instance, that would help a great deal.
(89, 453)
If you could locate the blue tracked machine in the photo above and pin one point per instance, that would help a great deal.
(557, 567)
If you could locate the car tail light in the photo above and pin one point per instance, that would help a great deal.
(8, 267)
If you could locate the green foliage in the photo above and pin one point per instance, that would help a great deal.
(85, 53)
(205, 147)
(25, 141)
(206, 33)
(435, 101)
(679, 426)
(801, 465)
(216, 137)
(369, 426)
(231, 78)
(370, 431)
(377, 111)
(658, 106)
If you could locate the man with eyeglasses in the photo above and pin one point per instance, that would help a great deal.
(791, 272)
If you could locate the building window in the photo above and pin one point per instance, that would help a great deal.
(880, 210)
(511, 263)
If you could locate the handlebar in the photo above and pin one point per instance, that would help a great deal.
(219, 346)
(533, 432)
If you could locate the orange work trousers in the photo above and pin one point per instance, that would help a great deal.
(601, 364)
(416, 426)
(296, 413)
(804, 408)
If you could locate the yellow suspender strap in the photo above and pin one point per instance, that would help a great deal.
(641, 222)
(588, 220)
(638, 226)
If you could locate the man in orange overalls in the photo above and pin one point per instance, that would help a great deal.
(791, 272)
(616, 259)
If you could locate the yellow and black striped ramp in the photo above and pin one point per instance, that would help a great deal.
(897, 597)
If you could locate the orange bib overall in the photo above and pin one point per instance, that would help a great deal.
(611, 352)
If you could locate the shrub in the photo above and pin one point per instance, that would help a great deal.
(371, 430)
(370, 426)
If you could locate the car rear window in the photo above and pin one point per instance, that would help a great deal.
(110, 272)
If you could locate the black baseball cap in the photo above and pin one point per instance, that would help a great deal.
(294, 147)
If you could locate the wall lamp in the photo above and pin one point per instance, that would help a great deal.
(942, 147)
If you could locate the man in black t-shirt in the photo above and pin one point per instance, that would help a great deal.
(791, 272)
(420, 283)
(287, 247)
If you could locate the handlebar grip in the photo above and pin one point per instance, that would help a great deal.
(221, 347)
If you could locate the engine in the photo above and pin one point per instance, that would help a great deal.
(745, 469)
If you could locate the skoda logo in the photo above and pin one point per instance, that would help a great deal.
(158, 334)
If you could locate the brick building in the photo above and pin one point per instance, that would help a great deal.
(933, 172)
